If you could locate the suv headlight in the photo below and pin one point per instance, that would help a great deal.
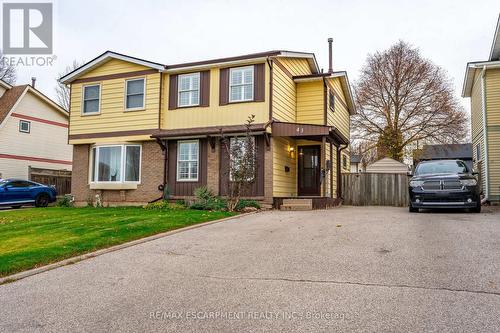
(468, 182)
(416, 183)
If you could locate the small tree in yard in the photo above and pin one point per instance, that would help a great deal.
(403, 98)
(242, 166)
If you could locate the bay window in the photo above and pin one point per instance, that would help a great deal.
(116, 164)
(189, 90)
(187, 160)
(241, 84)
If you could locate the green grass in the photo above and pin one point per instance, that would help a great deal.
(35, 237)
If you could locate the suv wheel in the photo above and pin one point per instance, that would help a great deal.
(412, 209)
(42, 200)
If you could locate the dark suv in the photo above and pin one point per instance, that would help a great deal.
(444, 184)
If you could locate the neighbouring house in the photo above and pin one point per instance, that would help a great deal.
(387, 165)
(356, 163)
(482, 86)
(138, 125)
(458, 151)
(33, 134)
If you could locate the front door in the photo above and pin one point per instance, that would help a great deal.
(309, 171)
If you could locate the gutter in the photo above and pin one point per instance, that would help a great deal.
(339, 173)
(270, 64)
(485, 133)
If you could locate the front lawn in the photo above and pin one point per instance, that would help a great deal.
(35, 237)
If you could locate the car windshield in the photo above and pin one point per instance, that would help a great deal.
(3, 182)
(441, 167)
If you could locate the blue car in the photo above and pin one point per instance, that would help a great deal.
(17, 192)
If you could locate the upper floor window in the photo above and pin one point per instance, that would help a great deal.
(24, 126)
(135, 94)
(331, 98)
(189, 89)
(187, 160)
(117, 163)
(241, 82)
(91, 99)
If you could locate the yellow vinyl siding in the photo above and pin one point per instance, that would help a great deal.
(494, 161)
(477, 107)
(310, 99)
(113, 116)
(113, 66)
(296, 66)
(284, 96)
(215, 114)
(492, 81)
(493, 96)
(284, 183)
(340, 118)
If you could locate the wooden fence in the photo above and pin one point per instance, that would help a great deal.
(61, 179)
(375, 189)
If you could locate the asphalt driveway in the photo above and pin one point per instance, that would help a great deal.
(346, 269)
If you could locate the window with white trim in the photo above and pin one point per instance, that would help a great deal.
(241, 82)
(24, 126)
(187, 160)
(116, 164)
(134, 94)
(91, 99)
(189, 89)
(241, 146)
(478, 153)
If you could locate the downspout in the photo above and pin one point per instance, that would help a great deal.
(270, 64)
(485, 134)
(339, 172)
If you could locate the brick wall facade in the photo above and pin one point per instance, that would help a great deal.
(147, 190)
(213, 163)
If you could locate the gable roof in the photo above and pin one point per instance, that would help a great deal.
(5, 84)
(493, 62)
(495, 47)
(311, 59)
(446, 151)
(106, 56)
(9, 100)
(13, 96)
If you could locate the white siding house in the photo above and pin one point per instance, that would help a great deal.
(33, 132)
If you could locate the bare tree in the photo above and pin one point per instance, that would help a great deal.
(242, 168)
(403, 98)
(62, 90)
(7, 71)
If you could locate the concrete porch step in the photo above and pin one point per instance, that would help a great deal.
(297, 201)
(296, 204)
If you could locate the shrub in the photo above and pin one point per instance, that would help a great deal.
(163, 205)
(206, 200)
(247, 203)
(65, 201)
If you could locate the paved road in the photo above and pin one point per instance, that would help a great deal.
(347, 269)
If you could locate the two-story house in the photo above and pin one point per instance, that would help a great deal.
(33, 133)
(138, 126)
(482, 85)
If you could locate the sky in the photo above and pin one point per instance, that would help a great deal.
(449, 33)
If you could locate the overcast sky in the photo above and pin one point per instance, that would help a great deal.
(449, 33)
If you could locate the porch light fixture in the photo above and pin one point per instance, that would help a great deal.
(291, 151)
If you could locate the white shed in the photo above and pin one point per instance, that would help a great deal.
(387, 165)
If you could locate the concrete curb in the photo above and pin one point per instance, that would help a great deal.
(69, 261)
